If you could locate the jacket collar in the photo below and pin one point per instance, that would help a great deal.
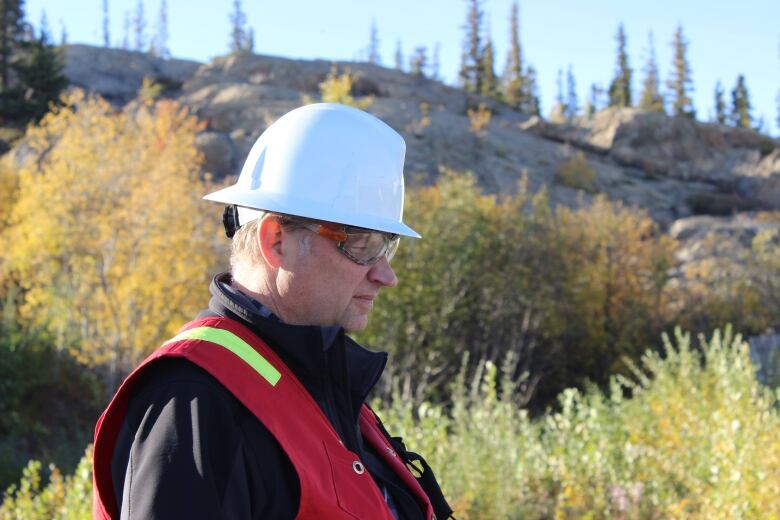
(297, 345)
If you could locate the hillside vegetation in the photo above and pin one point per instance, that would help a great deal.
(696, 440)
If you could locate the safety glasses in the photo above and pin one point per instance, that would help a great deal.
(362, 246)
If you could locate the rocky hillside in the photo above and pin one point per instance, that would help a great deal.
(675, 168)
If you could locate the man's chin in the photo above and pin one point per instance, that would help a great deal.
(356, 323)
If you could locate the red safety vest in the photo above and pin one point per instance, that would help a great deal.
(334, 482)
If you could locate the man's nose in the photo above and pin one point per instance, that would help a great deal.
(382, 273)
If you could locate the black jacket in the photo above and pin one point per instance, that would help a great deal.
(189, 449)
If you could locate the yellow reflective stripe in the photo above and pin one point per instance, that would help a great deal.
(239, 347)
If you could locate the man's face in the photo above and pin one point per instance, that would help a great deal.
(319, 285)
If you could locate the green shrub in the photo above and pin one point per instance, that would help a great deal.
(697, 440)
(568, 292)
(49, 402)
(718, 204)
(576, 173)
(38, 496)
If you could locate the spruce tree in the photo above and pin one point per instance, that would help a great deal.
(777, 102)
(513, 72)
(44, 32)
(435, 65)
(126, 32)
(559, 101)
(11, 34)
(139, 27)
(651, 99)
(594, 99)
(531, 103)
(239, 36)
(487, 70)
(740, 104)
(373, 45)
(418, 61)
(680, 84)
(471, 69)
(572, 102)
(720, 104)
(620, 88)
(399, 56)
(160, 41)
(34, 76)
(106, 34)
(40, 81)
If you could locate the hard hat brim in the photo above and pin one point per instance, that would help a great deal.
(289, 205)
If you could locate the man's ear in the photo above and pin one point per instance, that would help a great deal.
(270, 236)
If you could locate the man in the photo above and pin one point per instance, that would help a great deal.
(256, 409)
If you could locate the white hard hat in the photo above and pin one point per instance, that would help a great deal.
(327, 162)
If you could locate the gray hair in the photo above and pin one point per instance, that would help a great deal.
(245, 247)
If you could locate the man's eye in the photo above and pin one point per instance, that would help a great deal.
(359, 241)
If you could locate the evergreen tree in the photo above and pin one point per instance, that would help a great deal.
(44, 32)
(139, 27)
(373, 45)
(471, 68)
(11, 33)
(33, 76)
(418, 61)
(106, 35)
(399, 56)
(126, 32)
(40, 81)
(558, 111)
(487, 71)
(651, 99)
(594, 100)
(572, 106)
(620, 88)
(559, 89)
(680, 84)
(760, 125)
(531, 102)
(239, 36)
(63, 34)
(777, 102)
(740, 104)
(160, 42)
(720, 104)
(514, 83)
(434, 74)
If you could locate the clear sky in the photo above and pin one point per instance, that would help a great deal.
(727, 37)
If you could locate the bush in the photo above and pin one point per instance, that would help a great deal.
(49, 403)
(697, 440)
(52, 496)
(735, 284)
(576, 173)
(339, 88)
(568, 293)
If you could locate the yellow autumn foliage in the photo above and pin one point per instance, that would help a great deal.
(8, 190)
(109, 239)
(337, 88)
(619, 264)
